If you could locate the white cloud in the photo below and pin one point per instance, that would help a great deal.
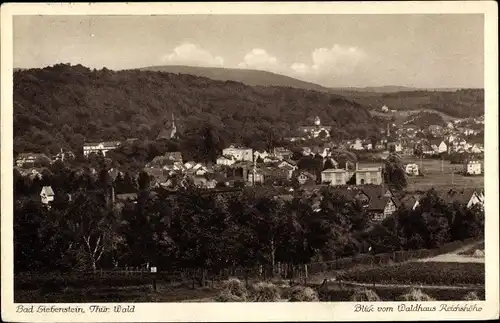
(338, 59)
(191, 54)
(330, 63)
(259, 59)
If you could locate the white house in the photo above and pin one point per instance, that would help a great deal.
(411, 169)
(358, 145)
(385, 109)
(473, 167)
(226, 160)
(476, 149)
(96, 147)
(47, 195)
(239, 153)
(442, 148)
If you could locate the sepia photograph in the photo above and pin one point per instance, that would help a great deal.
(248, 158)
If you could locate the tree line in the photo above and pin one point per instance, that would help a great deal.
(195, 230)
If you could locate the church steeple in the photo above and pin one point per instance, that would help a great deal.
(174, 127)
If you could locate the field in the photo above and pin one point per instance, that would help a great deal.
(435, 177)
(416, 273)
(400, 116)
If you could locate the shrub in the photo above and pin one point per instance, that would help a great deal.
(235, 287)
(303, 294)
(365, 295)
(415, 295)
(471, 296)
(265, 292)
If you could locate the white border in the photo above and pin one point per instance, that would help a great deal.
(208, 312)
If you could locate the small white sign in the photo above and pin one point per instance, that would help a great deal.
(153, 269)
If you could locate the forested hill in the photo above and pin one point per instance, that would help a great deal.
(245, 76)
(63, 106)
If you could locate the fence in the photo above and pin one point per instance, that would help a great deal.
(282, 270)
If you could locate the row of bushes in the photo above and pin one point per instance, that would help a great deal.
(235, 291)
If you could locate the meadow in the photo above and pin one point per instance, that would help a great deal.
(436, 174)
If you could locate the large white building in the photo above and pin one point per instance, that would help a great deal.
(239, 153)
(473, 167)
(96, 147)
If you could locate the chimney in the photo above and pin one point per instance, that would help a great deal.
(357, 166)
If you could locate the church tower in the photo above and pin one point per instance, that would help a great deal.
(173, 130)
(170, 129)
(317, 121)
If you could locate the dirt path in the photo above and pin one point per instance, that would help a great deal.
(454, 256)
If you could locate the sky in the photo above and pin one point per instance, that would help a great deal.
(427, 51)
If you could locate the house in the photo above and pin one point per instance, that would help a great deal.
(377, 201)
(398, 147)
(47, 195)
(29, 160)
(260, 154)
(467, 197)
(411, 169)
(99, 147)
(303, 177)
(472, 167)
(226, 160)
(385, 109)
(334, 177)
(239, 153)
(256, 177)
(476, 149)
(282, 153)
(358, 145)
(369, 175)
(442, 148)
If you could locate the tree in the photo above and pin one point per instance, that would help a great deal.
(393, 172)
(143, 181)
(92, 225)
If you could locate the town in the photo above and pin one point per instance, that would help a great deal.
(307, 169)
(189, 164)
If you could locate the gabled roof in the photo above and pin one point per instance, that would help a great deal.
(48, 190)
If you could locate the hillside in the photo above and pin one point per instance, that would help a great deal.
(453, 102)
(64, 106)
(457, 104)
(245, 76)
